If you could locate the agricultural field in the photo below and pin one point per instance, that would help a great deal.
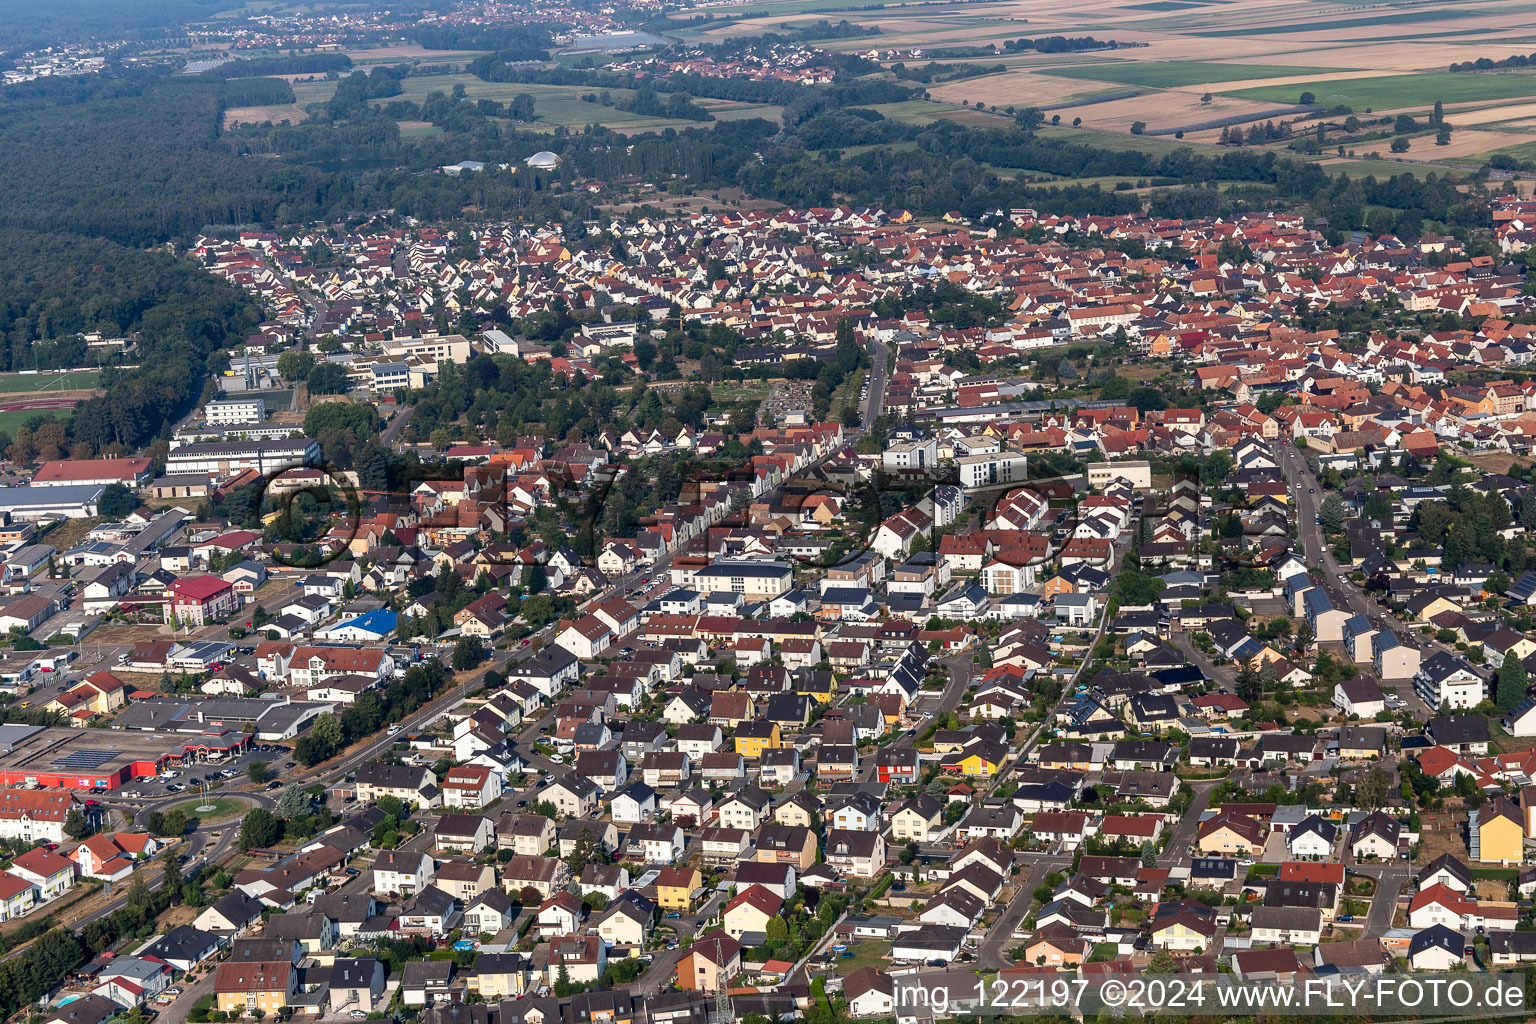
(277, 114)
(554, 105)
(1253, 58)
(1174, 73)
(1399, 92)
(412, 54)
(418, 129)
(1256, 58)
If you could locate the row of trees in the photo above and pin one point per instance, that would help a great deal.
(371, 712)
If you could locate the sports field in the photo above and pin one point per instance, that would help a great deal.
(12, 421)
(68, 380)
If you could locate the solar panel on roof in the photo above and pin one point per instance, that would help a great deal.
(84, 760)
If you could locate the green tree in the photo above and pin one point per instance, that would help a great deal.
(75, 825)
(777, 933)
(1511, 685)
(1372, 791)
(295, 366)
(1215, 467)
(586, 850)
(294, 803)
(467, 653)
(260, 829)
(535, 579)
(322, 742)
(1133, 587)
(1332, 513)
(116, 501)
(259, 772)
(327, 379)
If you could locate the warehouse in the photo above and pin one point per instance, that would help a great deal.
(69, 501)
(131, 473)
(225, 458)
(100, 758)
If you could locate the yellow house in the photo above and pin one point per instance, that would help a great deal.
(1184, 933)
(675, 887)
(916, 818)
(747, 915)
(499, 978)
(1500, 833)
(823, 690)
(974, 763)
(1264, 656)
(755, 737)
(799, 810)
(948, 744)
(1520, 649)
(1230, 833)
(100, 693)
(1435, 607)
(242, 988)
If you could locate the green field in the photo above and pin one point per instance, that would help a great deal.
(10, 422)
(223, 807)
(1520, 151)
(1156, 145)
(553, 105)
(1383, 169)
(563, 104)
(1394, 91)
(417, 130)
(1171, 74)
(13, 383)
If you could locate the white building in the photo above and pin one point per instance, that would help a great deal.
(992, 470)
(234, 411)
(230, 457)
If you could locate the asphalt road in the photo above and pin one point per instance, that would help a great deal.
(879, 374)
(992, 952)
(1344, 594)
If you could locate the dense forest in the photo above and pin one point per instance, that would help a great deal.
(136, 158)
(58, 285)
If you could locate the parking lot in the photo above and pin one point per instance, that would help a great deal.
(277, 757)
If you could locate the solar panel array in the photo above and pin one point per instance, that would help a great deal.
(84, 760)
